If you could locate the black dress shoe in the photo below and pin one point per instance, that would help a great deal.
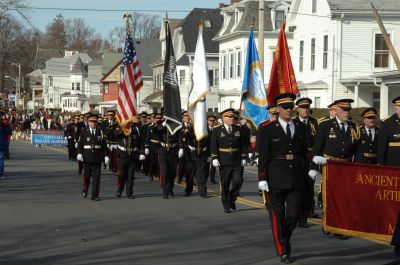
(233, 206)
(131, 197)
(118, 194)
(285, 259)
(172, 194)
(165, 196)
(204, 196)
(84, 194)
(227, 211)
(96, 199)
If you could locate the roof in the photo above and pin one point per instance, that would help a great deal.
(190, 29)
(152, 97)
(148, 51)
(364, 5)
(184, 60)
(62, 66)
(250, 10)
(109, 61)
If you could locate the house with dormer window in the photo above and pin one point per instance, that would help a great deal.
(339, 51)
(238, 18)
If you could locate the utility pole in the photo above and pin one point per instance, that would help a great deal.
(18, 88)
(261, 34)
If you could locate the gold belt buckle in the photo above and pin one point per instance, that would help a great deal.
(289, 157)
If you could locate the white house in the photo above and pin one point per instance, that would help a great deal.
(338, 51)
(69, 83)
(233, 38)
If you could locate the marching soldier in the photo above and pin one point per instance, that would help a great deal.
(389, 139)
(144, 128)
(196, 155)
(282, 146)
(128, 153)
(169, 150)
(229, 154)
(211, 121)
(152, 143)
(91, 148)
(307, 205)
(367, 145)
(336, 139)
(69, 134)
(80, 127)
(111, 124)
(186, 127)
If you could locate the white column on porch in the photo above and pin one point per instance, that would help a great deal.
(384, 99)
(356, 87)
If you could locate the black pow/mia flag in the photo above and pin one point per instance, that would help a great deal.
(172, 97)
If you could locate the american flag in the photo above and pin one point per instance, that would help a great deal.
(131, 82)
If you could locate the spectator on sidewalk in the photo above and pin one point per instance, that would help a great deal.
(5, 132)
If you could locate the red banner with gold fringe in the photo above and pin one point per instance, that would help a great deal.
(361, 200)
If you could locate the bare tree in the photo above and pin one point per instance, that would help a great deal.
(79, 34)
(56, 36)
(14, 5)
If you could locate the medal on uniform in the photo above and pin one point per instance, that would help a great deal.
(237, 134)
(222, 134)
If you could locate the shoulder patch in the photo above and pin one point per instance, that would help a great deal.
(265, 123)
(323, 119)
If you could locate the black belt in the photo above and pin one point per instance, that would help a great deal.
(285, 157)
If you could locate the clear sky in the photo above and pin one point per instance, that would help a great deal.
(103, 22)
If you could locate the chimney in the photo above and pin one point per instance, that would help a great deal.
(221, 5)
(235, 1)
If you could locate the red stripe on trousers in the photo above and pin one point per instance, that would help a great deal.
(275, 232)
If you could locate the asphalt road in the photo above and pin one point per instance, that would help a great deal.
(44, 220)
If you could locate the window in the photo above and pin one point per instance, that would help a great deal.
(209, 110)
(317, 102)
(216, 77)
(301, 56)
(50, 81)
(376, 100)
(381, 51)
(78, 86)
(211, 77)
(231, 64)
(51, 98)
(279, 18)
(314, 6)
(224, 66)
(215, 109)
(181, 77)
(105, 88)
(72, 85)
(238, 64)
(313, 54)
(325, 54)
(207, 24)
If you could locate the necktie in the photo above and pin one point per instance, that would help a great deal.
(342, 129)
(288, 132)
(92, 132)
(230, 130)
(305, 122)
(370, 135)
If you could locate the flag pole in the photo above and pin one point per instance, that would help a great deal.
(386, 37)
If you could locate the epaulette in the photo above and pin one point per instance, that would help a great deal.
(323, 119)
(265, 123)
(216, 126)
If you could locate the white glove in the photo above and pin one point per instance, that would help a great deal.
(250, 155)
(256, 161)
(208, 159)
(244, 162)
(313, 174)
(164, 123)
(215, 163)
(106, 160)
(319, 160)
(146, 151)
(76, 145)
(79, 157)
(142, 157)
(263, 185)
(115, 146)
(110, 146)
(66, 138)
(180, 153)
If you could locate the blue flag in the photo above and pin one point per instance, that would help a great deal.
(254, 96)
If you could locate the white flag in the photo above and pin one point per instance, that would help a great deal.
(200, 88)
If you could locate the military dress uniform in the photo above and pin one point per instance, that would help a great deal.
(80, 127)
(92, 146)
(152, 143)
(282, 164)
(196, 154)
(228, 148)
(69, 134)
(128, 152)
(168, 157)
(367, 145)
(308, 202)
(112, 152)
(211, 168)
(183, 170)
